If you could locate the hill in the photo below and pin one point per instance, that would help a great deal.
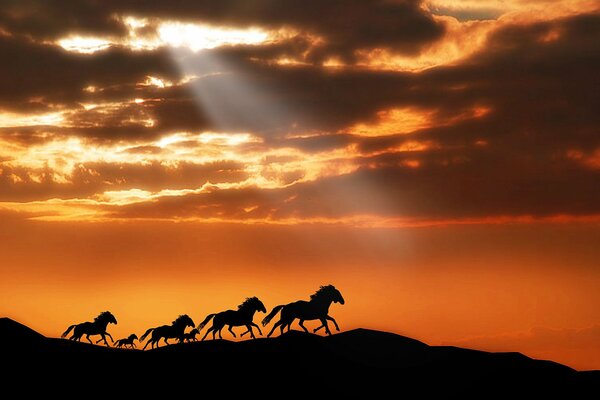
(360, 362)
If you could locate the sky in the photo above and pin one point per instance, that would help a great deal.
(438, 161)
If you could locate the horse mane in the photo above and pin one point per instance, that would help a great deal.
(179, 319)
(322, 291)
(102, 315)
(247, 302)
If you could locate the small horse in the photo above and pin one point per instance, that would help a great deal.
(316, 308)
(98, 327)
(190, 336)
(128, 341)
(241, 317)
(173, 331)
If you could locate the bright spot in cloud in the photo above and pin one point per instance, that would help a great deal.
(228, 139)
(168, 33)
(13, 119)
(154, 81)
(395, 121)
(84, 45)
(198, 37)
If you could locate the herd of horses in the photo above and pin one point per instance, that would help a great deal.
(317, 308)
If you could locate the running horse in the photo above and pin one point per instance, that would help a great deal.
(128, 341)
(166, 332)
(98, 327)
(316, 308)
(241, 317)
(190, 336)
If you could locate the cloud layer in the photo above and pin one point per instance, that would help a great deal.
(338, 114)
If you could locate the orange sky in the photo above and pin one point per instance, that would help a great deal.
(438, 161)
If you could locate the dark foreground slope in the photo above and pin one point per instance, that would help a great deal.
(356, 363)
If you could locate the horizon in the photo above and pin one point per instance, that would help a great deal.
(436, 160)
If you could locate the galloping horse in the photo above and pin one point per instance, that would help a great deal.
(98, 327)
(316, 308)
(175, 330)
(127, 341)
(190, 336)
(240, 317)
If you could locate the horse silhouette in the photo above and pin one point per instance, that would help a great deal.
(128, 341)
(173, 331)
(316, 308)
(241, 317)
(190, 336)
(98, 327)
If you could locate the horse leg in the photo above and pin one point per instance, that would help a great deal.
(220, 336)
(301, 323)
(318, 329)
(250, 331)
(110, 336)
(281, 328)
(87, 336)
(274, 327)
(257, 327)
(288, 324)
(324, 322)
(104, 337)
(230, 330)
(207, 332)
(146, 345)
(334, 322)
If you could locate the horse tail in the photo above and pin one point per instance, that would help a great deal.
(146, 334)
(273, 312)
(68, 330)
(203, 323)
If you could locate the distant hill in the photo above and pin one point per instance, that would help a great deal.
(360, 362)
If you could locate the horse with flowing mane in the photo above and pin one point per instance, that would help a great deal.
(128, 341)
(241, 317)
(98, 327)
(316, 308)
(173, 331)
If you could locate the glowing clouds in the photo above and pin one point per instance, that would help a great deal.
(193, 36)
(18, 120)
(199, 37)
(84, 45)
(395, 121)
(401, 121)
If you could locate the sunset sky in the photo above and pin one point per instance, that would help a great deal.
(438, 161)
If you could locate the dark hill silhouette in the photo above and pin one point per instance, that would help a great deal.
(360, 362)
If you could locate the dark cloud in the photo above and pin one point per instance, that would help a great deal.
(539, 82)
(443, 187)
(52, 19)
(45, 73)
(344, 25)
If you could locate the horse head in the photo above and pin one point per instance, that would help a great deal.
(253, 303)
(107, 316)
(184, 320)
(258, 305)
(133, 337)
(334, 294)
